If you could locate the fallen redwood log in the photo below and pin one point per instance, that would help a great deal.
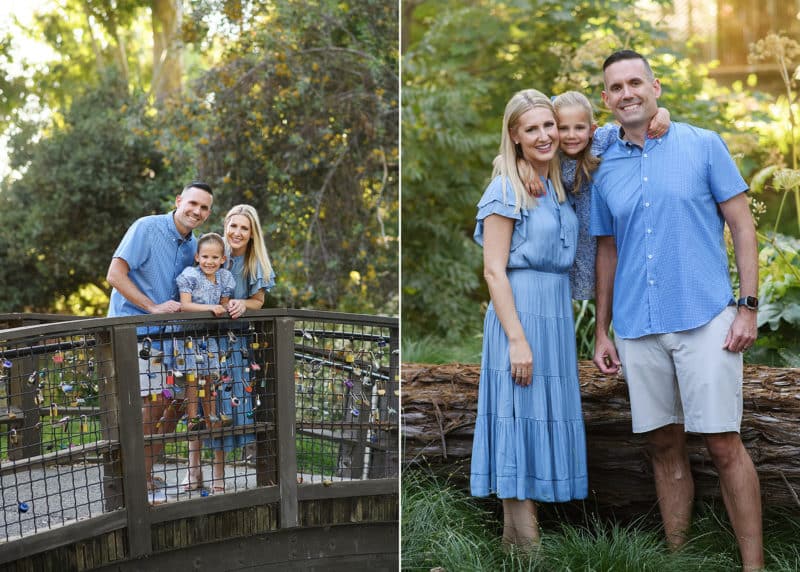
(440, 402)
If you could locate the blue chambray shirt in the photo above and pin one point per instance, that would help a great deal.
(660, 204)
(156, 254)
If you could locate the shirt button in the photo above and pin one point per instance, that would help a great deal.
(649, 256)
(645, 179)
(652, 282)
(649, 231)
(647, 204)
(645, 155)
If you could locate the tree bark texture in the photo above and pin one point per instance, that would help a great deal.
(440, 404)
(167, 16)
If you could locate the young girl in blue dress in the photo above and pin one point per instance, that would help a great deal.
(206, 286)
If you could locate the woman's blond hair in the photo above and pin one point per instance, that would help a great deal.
(586, 162)
(511, 164)
(255, 255)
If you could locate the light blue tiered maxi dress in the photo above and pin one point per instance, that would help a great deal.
(529, 441)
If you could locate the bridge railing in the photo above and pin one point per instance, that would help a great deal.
(294, 406)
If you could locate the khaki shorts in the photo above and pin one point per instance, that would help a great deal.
(685, 378)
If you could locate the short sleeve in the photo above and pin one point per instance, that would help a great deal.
(187, 280)
(493, 202)
(724, 178)
(600, 222)
(604, 137)
(258, 282)
(131, 248)
(228, 283)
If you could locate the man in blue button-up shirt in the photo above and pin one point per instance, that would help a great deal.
(659, 207)
(153, 252)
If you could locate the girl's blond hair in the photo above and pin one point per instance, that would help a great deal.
(255, 256)
(510, 164)
(586, 162)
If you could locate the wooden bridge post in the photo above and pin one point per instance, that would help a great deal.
(108, 398)
(285, 421)
(131, 440)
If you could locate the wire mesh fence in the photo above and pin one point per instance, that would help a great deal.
(206, 417)
(346, 401)
(58, 419)
(208, 407)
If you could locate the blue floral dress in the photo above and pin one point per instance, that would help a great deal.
(529, 441)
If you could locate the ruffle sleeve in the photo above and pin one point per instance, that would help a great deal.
(187, 280)
(493, 202)
(258, 282)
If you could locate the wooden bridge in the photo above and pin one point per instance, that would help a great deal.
(316, 487)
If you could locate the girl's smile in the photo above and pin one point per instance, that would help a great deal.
(575, 129)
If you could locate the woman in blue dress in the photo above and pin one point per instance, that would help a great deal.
(529, 439)
(249, 263)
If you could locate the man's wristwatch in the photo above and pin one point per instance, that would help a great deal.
(749, 302)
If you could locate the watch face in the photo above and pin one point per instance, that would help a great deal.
(751, 302)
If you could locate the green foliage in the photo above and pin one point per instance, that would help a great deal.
(293, 109)
(443, 526)
(301, 123)
(83, 185)
(464, 64)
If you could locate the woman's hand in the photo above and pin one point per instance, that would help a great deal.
(236, 308)
(521, 362)
(218, 310)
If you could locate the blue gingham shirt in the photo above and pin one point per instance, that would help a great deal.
(660, 204)
(156, 254)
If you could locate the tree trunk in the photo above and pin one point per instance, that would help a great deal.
(167, 16)
(440, 402)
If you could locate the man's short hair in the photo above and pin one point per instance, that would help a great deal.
(198, 185)
(628, 55)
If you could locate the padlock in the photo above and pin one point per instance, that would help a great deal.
(201, 392)
(32, 378)
(53, 410)
(349, 383)
(144, 353)
(355, 412)
(381, 392)
(170, 378)
(349, 357)
(58, 357)
(90, 367)
(190, 377)
(189, 343)
(84, 424)
(7, 363)
(234, 401)
(255, 345)
(248, 388)
(254, 366)
(13, 438)
(258, 401)
(22, 507)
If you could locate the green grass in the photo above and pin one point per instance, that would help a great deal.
(442, 526)
(430, 349)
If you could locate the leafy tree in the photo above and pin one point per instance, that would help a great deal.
(83, 186)
(293, 109)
